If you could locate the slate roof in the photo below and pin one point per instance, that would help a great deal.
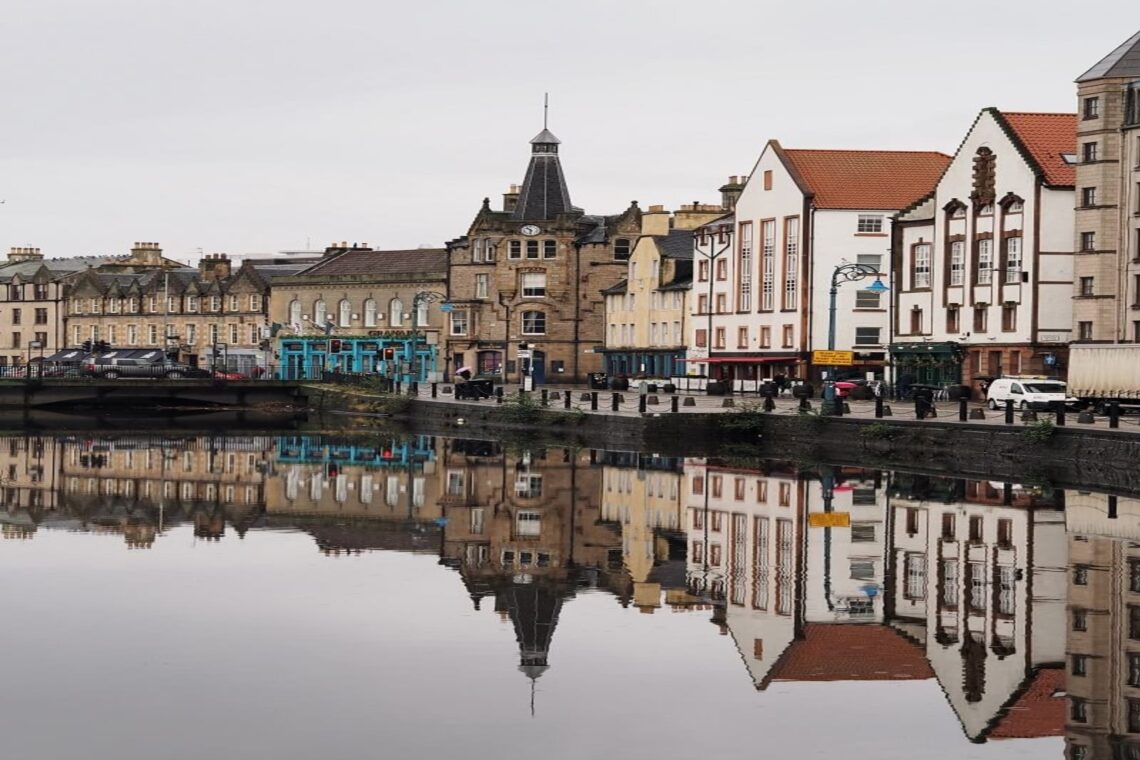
(357, 262)
(1039, 710)
(616, 289)
(851, 652)
(867, 179)
(1124, 61)
(1045, 136)
(545, 137)
(543, 194)
(678, 244)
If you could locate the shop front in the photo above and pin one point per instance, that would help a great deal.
(385, 354)
(934, 364)
(633, 362)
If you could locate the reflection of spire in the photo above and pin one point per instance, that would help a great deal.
(533, 609)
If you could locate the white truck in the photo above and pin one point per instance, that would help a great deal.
(1102, 374)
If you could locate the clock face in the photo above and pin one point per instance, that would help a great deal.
(530, 229)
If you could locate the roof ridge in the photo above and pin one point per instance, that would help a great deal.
(1039, 113)
(866, 150)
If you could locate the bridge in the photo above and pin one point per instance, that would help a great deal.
(99, 392)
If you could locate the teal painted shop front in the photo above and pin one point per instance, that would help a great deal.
(387, 354)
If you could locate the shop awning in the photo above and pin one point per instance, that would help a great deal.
(747, 360)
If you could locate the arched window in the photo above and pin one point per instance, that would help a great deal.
(295, 313)
(320, 313)
(395, 313)
(345, 309)
(421, 314)
(370, 313)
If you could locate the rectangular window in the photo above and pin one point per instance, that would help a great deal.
(15, 316)
(1005, 533)
(532, 249)
(534, 323)
(1134, 716)
(718, 338)
(1088, 152)
(948, 526)
(1088, 241)
(985, 261)
(717, 484)
(867, 299)
(981, 317)
(721, 270)
(703, 271)
(789, 333)
(1134, 622)
(1080, 575)
(744, 268)
(1088, 196)
(767, 179)
(701, 338)
(1079, 665)
(702, 304)
(549, 249)
(870, 223)
(1084, 330)
(953, 319)
(1078, 710)
(1012, 260)
(1080, 620)
(767, 264)
(1092, 107)
(514, 249)
(915, 569)
(867, 336)
(738, 489)
(922, 265)
(41, 316)
(1134, 669)
(534, 284)
(915, 321)
(1009, 317)
(957, 262)
(862, 532)
(785, 495)
(976, 529)
(459, 322)
(911, 520)
(742, 337)
(791, 261)
(765, 337)
(721, 303)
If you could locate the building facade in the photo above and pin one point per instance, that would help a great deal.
(802, 214)
(647, 313)
(1107, 234)
(533, 273)
(982, 267)
(362, 310)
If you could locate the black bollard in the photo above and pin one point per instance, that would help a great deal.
(1009, 411)
(1060, 407)
(769, 404)
(676, 404)
(1114, 414)
(593, 401)
(963, 412)
(878, 407)
(1112, 507)
(615, 400)
(566, 399)
(545, 397)
(435, 390)
(641, 402)
(919, 407)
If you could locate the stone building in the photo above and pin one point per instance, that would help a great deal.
(533, 273)
(1107, 235)
(147, 301)
(647, 313)
(373, 304)
(32, 295)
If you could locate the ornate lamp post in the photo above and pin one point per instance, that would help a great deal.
(844, 273)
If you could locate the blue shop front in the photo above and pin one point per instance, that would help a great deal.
(387, 354)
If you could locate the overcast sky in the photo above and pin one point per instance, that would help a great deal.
(244, 125)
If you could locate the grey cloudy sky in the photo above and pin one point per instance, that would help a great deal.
(259, 125)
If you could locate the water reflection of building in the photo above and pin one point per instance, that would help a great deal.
(1103, 626)
(977, 575)
(641, 494)
(526, 529)
(353, 496)
(29, 471)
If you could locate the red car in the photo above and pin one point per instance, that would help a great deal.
(221, 374)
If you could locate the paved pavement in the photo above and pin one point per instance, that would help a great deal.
(902, 411)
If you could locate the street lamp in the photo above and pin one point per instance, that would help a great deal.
(711, 257)
(844, 273)
(422, 297)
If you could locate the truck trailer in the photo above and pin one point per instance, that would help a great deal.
(1102, 374)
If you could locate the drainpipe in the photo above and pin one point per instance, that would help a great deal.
(577, 306)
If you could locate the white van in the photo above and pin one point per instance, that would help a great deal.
(1027, 393)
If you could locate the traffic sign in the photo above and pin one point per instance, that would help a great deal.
(829, 519)
(833, 358)
(445, 307)
(524, 353)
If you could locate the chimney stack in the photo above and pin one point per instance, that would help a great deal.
(214, 267)
(148, 254)
(730, 191)
(656, 221)
(24, 254)
(511, 199)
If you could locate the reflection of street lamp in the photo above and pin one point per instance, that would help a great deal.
(844, 273)
(422, 297)
(711, 259)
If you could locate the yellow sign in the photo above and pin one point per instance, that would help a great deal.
(829, 519)
(833, 358)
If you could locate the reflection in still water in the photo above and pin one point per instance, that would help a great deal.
(1020, 604)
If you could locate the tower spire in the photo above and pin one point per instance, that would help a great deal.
(543, 194)
(545, 108)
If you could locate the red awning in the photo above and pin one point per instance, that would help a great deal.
(746, 359)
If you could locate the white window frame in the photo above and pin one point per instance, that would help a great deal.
(922, 265)
(536, 288)
(460, 322)
(869, 223)
(957, 263)
(985, 261)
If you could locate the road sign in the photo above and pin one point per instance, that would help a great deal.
(524, 353)
(829, 519)
(833, 358)
(446, 307)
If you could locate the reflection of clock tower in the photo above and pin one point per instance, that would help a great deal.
(532, 274)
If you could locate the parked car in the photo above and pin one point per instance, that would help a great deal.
(224, 374)
(1028, 393)
(112, 367)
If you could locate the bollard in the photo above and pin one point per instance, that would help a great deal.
(397, 387)
(556, 396)
(878, 407)
(413, 388)
(887, 410)
(977, 414)
(641, 403)
(652, 400)
(805, 405)
(1085, 418)
(1114, 414)
(1112, 506)
(545, 397)
(963, 412)
(615, 400)
(675, 403)
(498, 398)
(522, 393)
(690, 401)
(769, 404)
(566, 399)
(1029, 416)
(1009, 411)
(728, 402)
(435, 390)
(593, 401)
(1060, 413)
(845, 407)
(584, 397)
(919, 408)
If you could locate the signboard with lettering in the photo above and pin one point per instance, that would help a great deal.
(833, 358)
(829, 519)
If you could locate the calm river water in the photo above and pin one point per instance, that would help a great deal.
(297, 597)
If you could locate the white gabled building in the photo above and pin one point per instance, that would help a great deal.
(803, 213)
(983, 266)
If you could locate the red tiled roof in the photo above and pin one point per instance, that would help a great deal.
(1046, 136)
(1038, 711)
(852, 652)
(361, 262)
(867, 179)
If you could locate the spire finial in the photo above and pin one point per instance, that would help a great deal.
(545, 108)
